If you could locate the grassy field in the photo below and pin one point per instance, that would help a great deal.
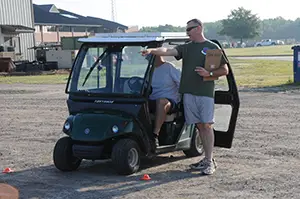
(248, 73)
(262, 73)
(260, 51)
(35, 79)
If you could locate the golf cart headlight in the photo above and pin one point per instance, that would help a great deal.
(67, 126)
(115, 129)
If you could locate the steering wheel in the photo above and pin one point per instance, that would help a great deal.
(135, 83)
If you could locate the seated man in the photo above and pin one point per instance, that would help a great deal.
(165, 95)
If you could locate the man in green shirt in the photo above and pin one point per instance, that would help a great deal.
(198, 95)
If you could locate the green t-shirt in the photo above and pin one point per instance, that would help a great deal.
(193, 55)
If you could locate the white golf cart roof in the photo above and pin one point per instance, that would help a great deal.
(134, 37)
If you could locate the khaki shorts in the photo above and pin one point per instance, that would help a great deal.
(198, 109)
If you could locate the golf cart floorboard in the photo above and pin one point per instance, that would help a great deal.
(162, 149)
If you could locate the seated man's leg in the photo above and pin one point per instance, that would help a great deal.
(163, 106)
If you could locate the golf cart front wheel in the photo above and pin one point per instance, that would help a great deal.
(126, 156)
(196, 148)
(63, 156)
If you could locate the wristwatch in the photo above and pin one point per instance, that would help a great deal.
(211, 74)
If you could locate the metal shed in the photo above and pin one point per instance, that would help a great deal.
(17, 27)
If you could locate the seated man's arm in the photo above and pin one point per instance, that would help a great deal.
(176, 75)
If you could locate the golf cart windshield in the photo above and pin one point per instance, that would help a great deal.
(108, 70)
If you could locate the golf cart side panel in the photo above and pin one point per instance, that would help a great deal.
(224, 138)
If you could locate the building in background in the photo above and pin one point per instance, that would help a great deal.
(17, 28)
(133, 29)
(52, 23)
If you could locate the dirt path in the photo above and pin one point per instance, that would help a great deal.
(263, 163)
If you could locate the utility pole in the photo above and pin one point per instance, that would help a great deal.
(113, 10)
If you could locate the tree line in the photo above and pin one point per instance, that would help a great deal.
(242, 25)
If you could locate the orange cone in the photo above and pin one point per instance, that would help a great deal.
(7, 170)
(146, 177)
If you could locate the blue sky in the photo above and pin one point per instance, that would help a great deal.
(160, 12)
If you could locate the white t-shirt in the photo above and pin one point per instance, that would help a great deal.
(165, 82)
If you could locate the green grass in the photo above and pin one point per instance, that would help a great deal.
(248, 73)
(260, 51)
(35, 79)
(262, 73)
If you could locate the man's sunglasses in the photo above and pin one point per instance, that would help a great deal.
(191, 28)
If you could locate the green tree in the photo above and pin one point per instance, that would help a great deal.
(241, 24)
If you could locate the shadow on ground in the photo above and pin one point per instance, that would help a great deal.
(92, 180)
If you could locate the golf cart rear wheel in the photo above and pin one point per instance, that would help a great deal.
(126, 156)
(63, 156)
(196, 145)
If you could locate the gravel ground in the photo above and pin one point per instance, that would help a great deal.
(264, 161)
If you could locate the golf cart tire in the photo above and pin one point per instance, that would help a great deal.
(120, 156)
(63, 156)
(194, 151)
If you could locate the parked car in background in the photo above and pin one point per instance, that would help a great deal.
(269, 42)
(265, 42)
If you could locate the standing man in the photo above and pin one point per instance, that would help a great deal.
(198, 95)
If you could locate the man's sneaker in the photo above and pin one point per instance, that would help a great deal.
(199, 165)
(210, 168)
(202, 164)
